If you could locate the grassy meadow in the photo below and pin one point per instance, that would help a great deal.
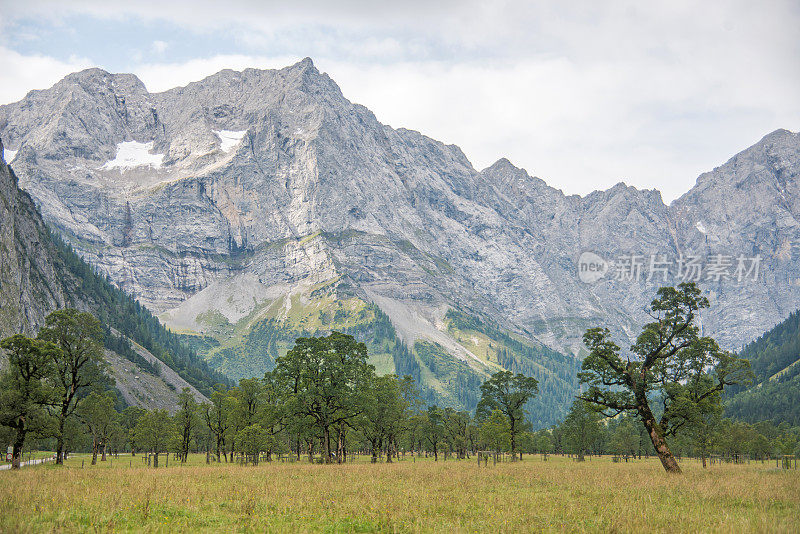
(406, 496)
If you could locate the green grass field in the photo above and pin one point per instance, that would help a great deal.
(406, 496)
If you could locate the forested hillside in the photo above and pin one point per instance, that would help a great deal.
(40, 273)
(250, 348)
(117, 310)
(775, 360)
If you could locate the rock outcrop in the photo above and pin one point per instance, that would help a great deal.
(30, 281)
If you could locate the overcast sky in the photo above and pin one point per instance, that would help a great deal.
(581, 94)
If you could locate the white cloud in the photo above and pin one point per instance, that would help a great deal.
(22, 73)
(159, 47)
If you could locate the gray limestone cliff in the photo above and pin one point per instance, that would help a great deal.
(30, 281)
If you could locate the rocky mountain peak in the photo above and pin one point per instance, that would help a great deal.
(501, 165)
(515, 180)
(622, 194)
(95, 77)
(773, 157)
(304, 67)
(780, 135)
(767, 169)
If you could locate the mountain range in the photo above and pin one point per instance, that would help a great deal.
(251, 207)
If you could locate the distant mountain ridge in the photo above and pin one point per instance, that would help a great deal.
(260, 198)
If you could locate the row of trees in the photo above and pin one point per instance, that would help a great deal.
(322, 398)
(237, 423)
(587, 432)
(240, 422)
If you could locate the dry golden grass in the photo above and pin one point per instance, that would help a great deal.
(407, 496)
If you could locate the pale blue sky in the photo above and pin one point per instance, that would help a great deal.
(583, 96)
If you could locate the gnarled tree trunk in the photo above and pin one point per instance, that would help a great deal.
(659, 442)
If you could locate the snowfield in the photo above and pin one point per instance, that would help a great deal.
(229, 138)
(132, 154)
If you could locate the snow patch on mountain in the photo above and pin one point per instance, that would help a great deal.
(9, 155)
(229, 138)
(132, 154)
